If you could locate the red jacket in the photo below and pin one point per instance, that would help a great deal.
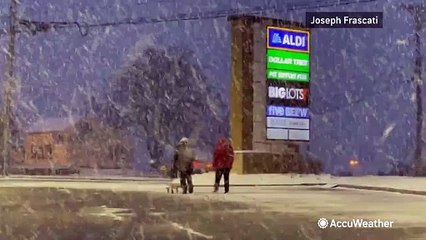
(223, 156)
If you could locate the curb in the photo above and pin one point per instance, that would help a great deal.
(85, 179)
(151, 180)
(382, 189)
(158, 180)
(266, 185)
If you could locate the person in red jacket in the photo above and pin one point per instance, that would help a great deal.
(223, 158)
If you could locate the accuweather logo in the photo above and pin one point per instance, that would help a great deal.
(354, 223)
(322, 223)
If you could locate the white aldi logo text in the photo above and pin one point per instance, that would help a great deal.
(287, 93)
(289, 40)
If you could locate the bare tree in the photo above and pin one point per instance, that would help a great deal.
(164, 95)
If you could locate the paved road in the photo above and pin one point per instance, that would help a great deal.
(405, 209)
(245, 213)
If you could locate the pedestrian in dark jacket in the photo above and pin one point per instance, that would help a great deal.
(223, 158)
(183, 164)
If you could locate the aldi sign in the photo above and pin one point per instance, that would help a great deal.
(288, 82)
(288, 39)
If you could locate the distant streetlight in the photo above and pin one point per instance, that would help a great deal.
(354, 166)
(353, 163)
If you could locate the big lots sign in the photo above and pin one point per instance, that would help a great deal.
(288, 93)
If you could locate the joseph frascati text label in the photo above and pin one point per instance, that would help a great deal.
(344, 19)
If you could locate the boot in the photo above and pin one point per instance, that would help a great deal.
(216, 188)
(191, 188)
(226, 187)
(184, 189)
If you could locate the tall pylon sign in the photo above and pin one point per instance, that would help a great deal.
(269, 107)
(288, 84)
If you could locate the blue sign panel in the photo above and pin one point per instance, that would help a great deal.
(282, 111)
(288, 39)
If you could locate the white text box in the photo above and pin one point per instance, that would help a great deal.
(277, 133)
(302, 135)
(294, 123)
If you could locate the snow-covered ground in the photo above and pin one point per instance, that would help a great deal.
(207, 179)
(344, 204)
(316, 202)
(264, 179)
(395, 182)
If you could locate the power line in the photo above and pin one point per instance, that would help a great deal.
(43, 26)
(322, 4)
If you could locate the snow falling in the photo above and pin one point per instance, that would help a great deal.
(130, 78)
(360, 77)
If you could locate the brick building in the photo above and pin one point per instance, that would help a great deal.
(76, 141)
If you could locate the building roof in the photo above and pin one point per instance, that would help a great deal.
(53, 124)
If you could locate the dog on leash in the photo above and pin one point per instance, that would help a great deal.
(173, 187)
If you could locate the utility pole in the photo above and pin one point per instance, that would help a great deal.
(417, 11)
(9, 85)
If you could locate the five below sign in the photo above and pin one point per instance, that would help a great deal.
(288, 39)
